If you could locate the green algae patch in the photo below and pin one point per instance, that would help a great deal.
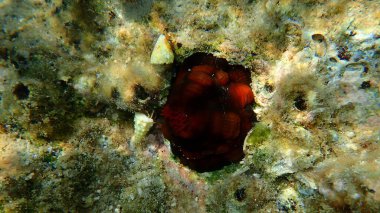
(258, 134)
(214, 176)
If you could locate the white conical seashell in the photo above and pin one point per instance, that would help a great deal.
(162, 52)
(142, 124)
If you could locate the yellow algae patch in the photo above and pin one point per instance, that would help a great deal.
(10, 157)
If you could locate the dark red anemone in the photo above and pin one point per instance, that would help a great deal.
(208, 112)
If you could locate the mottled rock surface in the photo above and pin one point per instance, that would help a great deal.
(74, 73)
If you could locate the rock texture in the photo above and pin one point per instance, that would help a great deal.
(74, 73)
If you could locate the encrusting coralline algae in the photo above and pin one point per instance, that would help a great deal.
(74, 74)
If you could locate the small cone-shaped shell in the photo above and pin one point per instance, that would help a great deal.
(142, 125)
(162, 52)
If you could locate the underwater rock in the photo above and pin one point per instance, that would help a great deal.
(289, 200)
(68, 98)
(209, 112)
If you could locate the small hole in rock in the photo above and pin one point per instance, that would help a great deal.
(14, 35)
(318, 37)
(115, 94)
(300, 103)
(240, 194)
(111, 15)
(21, 91)
(332, 59)
(3, 53)
(352, 33)
(365, 69)
(19, 61)
(343, 53)
(268, 87)
(365, 85)
(371, 191)
(63, 85)
(140, 92)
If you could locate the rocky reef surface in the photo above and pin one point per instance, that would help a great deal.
(81, 96)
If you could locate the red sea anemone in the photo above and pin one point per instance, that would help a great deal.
(208, 112)
(240, 95)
